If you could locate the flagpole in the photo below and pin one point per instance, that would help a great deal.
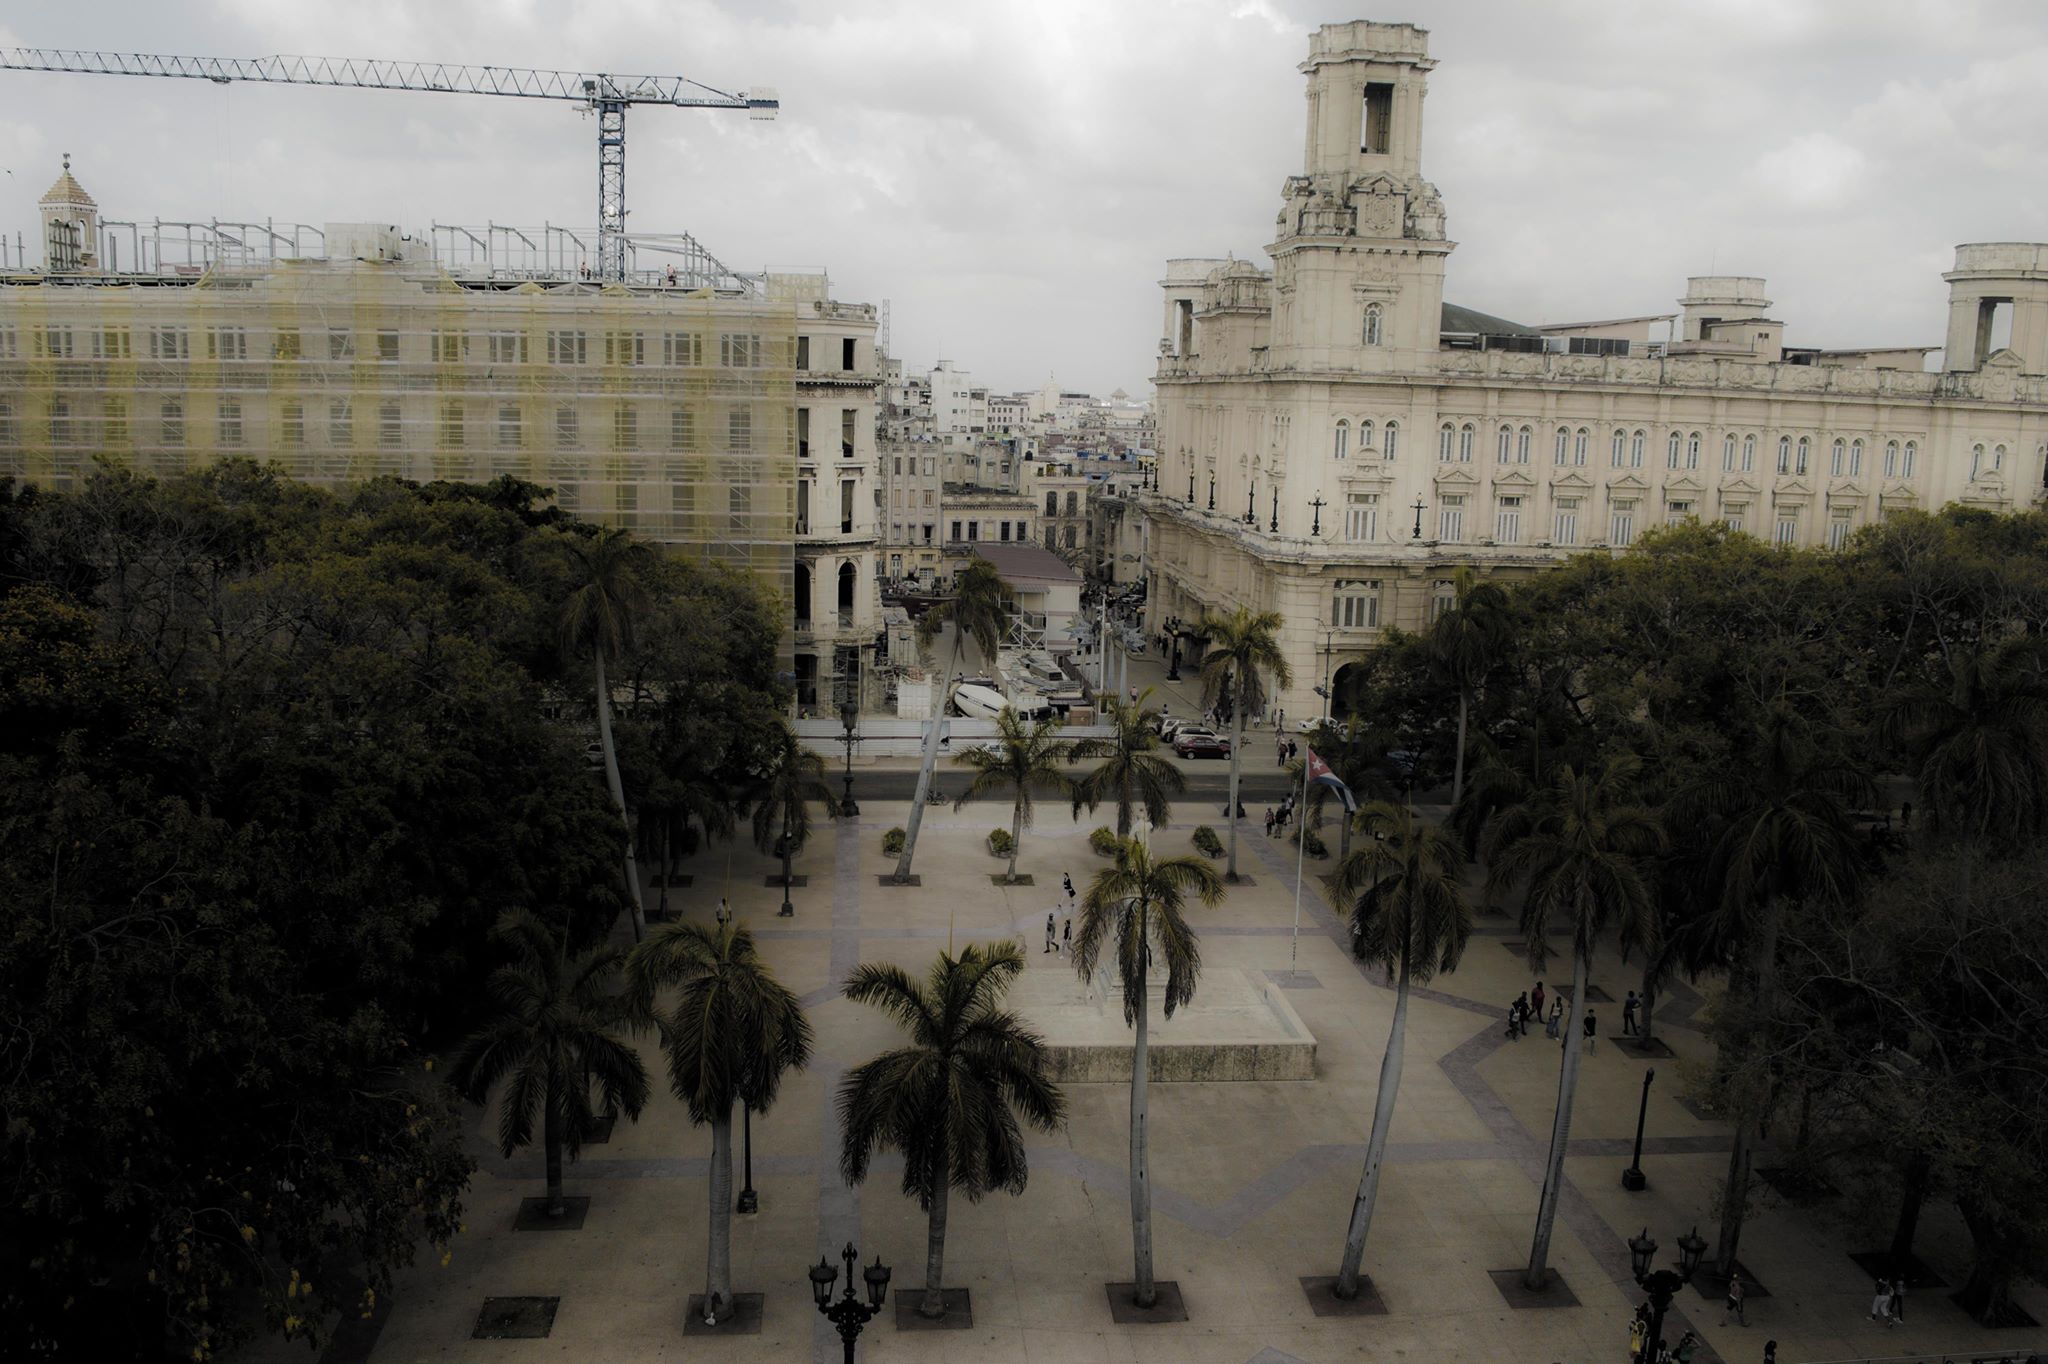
(1300, 852)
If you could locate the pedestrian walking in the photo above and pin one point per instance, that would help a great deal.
(1881, 1302)
(1067, 884)
(1514, 1017)
(1269, 821)
(1688, 1346)
(1770, 1352)
(1897, 1306)
(1536, 1001)
(1638, 1331)
(1592, 1032)
(1628, 1014)
(1731, 1306)
(1550, 1029)
(1280, 719)
(1048, 933)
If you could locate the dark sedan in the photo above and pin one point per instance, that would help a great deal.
(1201, 746)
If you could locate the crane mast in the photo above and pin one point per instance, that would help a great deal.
(607, 96)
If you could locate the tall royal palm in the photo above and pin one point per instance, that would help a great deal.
(1132, 772)
(1409, 918)
(553, 1036)
(1242, 645)
(1577, 848)
(976, 611)
(1774, 831)
(599, 618)
(1026, 759)
(1137, 906)
(794, 776)
(949, 1102)
(1977, 744)
(730, 1034)
(1464, 643)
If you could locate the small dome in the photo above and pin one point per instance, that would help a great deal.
(67, 190)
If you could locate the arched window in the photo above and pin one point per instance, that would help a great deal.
(1998, 459)
(1465, 434)
(1838, 457)
(1579, 444)
(1728, 454)
(1444, 441)
(1635, 450)
(1522, 445)
(1341, 447)
(1364, 437)
(1372, 324)
(1855, 459)
(1805, 448)
(1906, 460)
(1784, 454)
(848, 576)
(1388, 447)
(1671, 451)
(1692, 451)
(1891, 459)
(1976, 462)
(1564, 443)
(1620, 448)
(1749, 454)
(1504, 449)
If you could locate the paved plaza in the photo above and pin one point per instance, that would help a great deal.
(1253, 1179)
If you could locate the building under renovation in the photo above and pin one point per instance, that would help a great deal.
(728, 415)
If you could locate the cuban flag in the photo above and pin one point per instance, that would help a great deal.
(1318, 773)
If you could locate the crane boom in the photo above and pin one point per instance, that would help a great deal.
(606, 95)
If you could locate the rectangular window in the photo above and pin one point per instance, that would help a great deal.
(169, 343)
(739, 429)
(451, 426)
(956, 532)
(739, 350)
(1507, 521)
(680, 350)
(739, 507)
(1838, 530)
(230, 422)
(6, 422)
(1564, 526)
(227, 343)
(1676, 512)
(112, 343)
(1450, 518)
(682, 428)
(847, 417)
(173, 429)
(625, 348)
(61, 429)
(803, 433)
(974, 530)
(285, 345)
(341, 345)
(567, 429)
(447, 348)
(1376, 119)
(506, 348)
(803, 352)
(341, 426)
(511, 428)
(117, 421)
(1735, 515)
(846, 345)
(387, 344)
(928, 528)
(625, 428)
(1621, 527)
(291, 425)
(567, 348)
(1356, 605)
(1788, 526)
(390, 426)
(1005, 527)
(1443, 594)
(53, 343)
(6, 343)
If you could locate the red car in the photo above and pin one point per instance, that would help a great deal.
(1201, 745)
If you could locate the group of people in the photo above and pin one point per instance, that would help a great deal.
(1665, 1353)
(1277, 819)
(1284, 749)
(1527, 1008)
(1888, 1305)
(1063, 941)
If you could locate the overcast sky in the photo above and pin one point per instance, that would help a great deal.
(1011, 176)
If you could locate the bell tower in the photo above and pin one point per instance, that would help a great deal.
(71, 225)
(1359, 260)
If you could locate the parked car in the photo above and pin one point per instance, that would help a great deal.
(1311, 726)
(1134, 641)
(1197, 743)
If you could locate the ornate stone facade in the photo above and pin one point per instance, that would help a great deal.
(1334, 440)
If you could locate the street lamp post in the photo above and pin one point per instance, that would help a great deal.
(849, 716)
(1632, 1178)
(1662, 1284)
(782, 851)
(1417, 534)
(749, 1200)
(849, 1314)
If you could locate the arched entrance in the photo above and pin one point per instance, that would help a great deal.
(1343, 689)
(847, 578)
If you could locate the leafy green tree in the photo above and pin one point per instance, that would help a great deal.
(730, 1035)
(1464, 643)
(1134, 905)
(553, 1038)
(950, 1100)
(1241, 646)
(1409, 918)
(1579, 845)
(1027, 761)
(1132, 772)
(599, 617)
(794, 777)
(978, 612)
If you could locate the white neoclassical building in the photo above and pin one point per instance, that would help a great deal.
(1334, 439)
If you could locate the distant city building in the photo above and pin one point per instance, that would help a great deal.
(1334, 439)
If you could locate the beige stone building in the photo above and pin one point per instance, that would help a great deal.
(1334, 439)
(729, 416)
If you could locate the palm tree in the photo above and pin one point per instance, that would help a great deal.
(1351, 763)
(1409, 917)
(1240, 644)
(1775, 831)
(1463, 643)
(1577, 844)
(731, 1034)
(600, 617)
(1027, 760)
(553, 1036)
(794, 777)
(1132, 772)
(977, 610)
(1978, 744)
(950, 1100)
(1133, 905)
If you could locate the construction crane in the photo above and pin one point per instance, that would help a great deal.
(607, 96)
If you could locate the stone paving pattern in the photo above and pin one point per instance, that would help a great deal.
(1253, 1180)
